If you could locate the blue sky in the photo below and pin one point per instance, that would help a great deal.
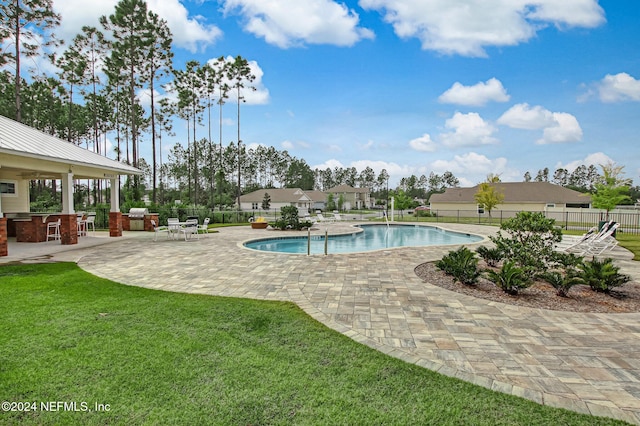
(414, 86)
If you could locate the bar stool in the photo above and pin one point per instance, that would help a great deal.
(82, 226)
(53, 229)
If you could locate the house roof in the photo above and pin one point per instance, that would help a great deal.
(317, 196)
(277, 195)
(517, 192)
(24, 143)
(348, 189)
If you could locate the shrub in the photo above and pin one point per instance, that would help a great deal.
(566, 260)
(423, 213)
(462, 264)
(567, 273)
(510, 278)
(491, 256)
(289, 220)
(562, 282)
(531, 242)
(602, 275)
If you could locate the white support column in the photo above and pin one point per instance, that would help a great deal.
(67, 193)
(115, 195)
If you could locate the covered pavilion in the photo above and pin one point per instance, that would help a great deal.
(27, 154)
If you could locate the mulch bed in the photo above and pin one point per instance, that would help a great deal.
(625, 298)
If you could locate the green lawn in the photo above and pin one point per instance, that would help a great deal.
(164, 358)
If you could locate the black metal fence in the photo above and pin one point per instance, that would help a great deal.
(580, 220)
(575, 220)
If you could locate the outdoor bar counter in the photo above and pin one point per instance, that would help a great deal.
(29, 227)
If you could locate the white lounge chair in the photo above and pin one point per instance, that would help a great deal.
(604, 242)
(580, 243)
(323, 219)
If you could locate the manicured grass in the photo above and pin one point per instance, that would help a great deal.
(631, 243)
(226, 225)
(165, 358)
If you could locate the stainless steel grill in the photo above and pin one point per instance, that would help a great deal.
(136, 218)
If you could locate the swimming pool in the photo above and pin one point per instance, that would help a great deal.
(372, 237)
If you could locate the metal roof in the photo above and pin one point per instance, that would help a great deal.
(24, 141)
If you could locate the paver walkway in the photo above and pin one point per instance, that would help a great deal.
(588, 363)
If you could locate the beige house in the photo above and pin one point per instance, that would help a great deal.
(280, 197)
(518, 196)
(354, 198)
(27, 154)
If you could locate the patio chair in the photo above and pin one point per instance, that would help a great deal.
(190, 229)
(90, 222)
(53, 230)
(173, 225)
(158, 229)
(81, 225)
(205, 226)
(337, 217)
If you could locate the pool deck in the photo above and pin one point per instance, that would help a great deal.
(589, 363)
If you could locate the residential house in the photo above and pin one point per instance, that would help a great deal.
(319, 199)
(280, 197)
(518, 196)
(353, 198)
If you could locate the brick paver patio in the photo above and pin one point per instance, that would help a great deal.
(588, 363)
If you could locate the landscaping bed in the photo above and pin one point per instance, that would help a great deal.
(581, 298)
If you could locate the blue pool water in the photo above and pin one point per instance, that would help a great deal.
(372, 237)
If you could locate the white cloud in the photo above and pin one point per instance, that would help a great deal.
(468, 130)
(260, 96)
(619, 87)
(366, 146)
(474, 166)
(288, 23)
(565, 129)
(595, 159)
(288, 145)
(466, 28)
(254, 145)
(521, 116)
(476, 95)
(559, 127)
(188, 32)
(423, 143)
(396, 171)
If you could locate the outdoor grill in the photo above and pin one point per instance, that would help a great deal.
(136, 218)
